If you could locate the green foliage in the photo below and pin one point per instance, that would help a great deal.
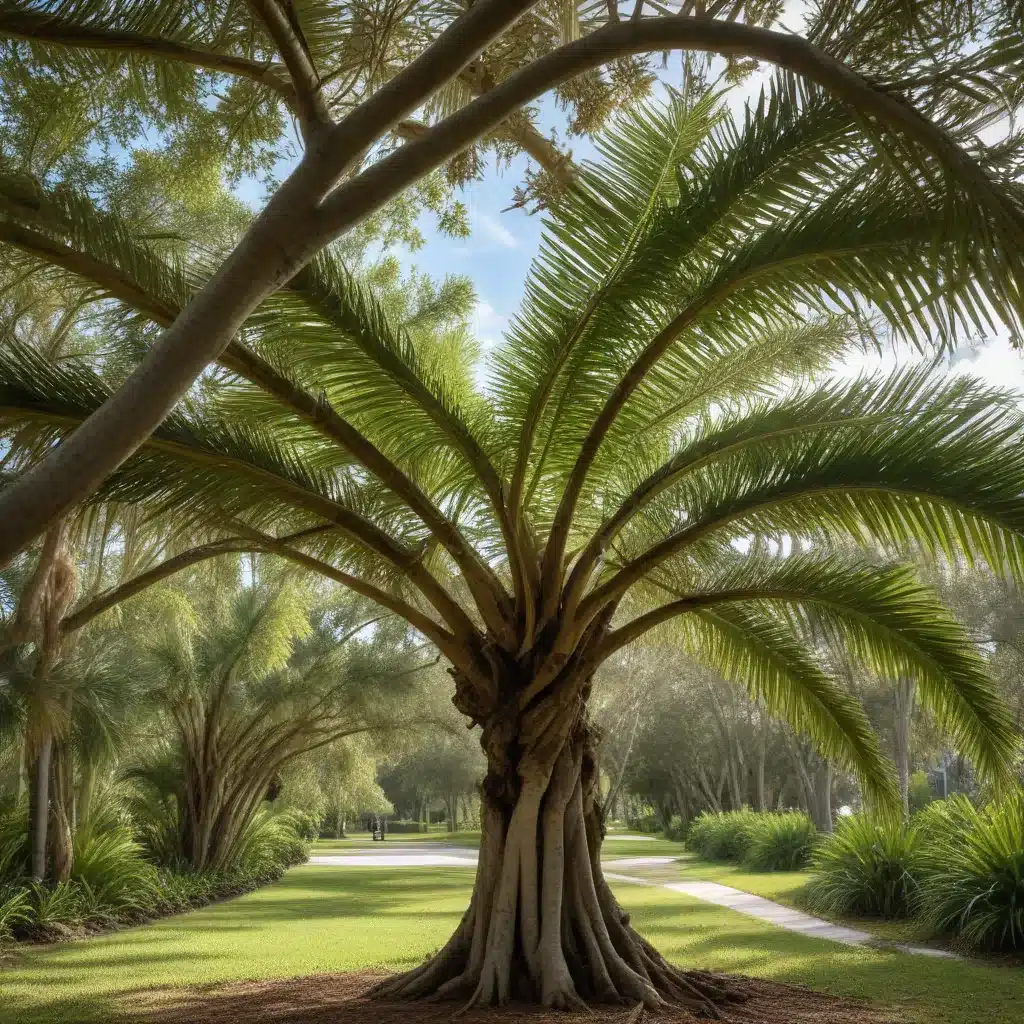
(761, 841)
(780, 842)
(972, 872)
(113, 882)
(56, 907)
(109, 865)
(920, 793)
(14, 855)
(677, 830)
(270, 843)
(722, 836)
(15, 908)
(866, 867)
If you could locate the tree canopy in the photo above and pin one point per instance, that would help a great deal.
(910, 85)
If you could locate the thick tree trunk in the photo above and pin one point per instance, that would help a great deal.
(543, 925)
(39, 805)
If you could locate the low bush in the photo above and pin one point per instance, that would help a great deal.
(15, 908)
(113, 883)
(677, 830)
(270, 844)
(972, 872)
(110, 868)
(866, 868)
(780, 842)
(721, 836)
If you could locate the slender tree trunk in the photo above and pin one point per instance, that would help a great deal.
(23, 768)
(39, 804)
(59, 834)
(762, 756)
(823, 794)
(543, 924)
(904, 696)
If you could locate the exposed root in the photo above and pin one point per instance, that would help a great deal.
(544, 927)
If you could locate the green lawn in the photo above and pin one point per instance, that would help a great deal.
(336, 919)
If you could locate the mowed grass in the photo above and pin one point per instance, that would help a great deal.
(337, 919)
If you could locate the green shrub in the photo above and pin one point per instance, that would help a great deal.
(866, 868)
(721, 836)
(13, 844)
(972, 877)
(307, 826)
(119, 882)
(270, 844)
(15, 908)
(780, 842)
(677, 829)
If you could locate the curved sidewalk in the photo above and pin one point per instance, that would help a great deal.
(411, 855)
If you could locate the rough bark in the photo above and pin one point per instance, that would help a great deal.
(542, 924)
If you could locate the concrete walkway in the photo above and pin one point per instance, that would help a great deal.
(396, 855)
(441, 855)
(780, 916)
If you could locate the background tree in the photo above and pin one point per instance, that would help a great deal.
(909, 80)
(248, 682)
(440, 770)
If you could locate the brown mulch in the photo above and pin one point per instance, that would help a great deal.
(339, 999)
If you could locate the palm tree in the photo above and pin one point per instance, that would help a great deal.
(913, 80)
(650, 453)
(244, 683)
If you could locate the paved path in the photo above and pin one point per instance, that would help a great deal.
(398, 855)
(441, 855)
(778, 915)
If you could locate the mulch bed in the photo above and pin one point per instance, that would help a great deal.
(339, 999)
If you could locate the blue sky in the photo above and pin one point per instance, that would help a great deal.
(502, 243)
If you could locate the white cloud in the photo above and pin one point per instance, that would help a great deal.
(497, 232)
(488, 324)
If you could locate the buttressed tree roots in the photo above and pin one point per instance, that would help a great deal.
(543, 922)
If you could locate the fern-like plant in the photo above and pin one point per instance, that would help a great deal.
(972, 873)
(866, 868)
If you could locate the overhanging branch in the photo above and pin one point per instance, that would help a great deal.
(35, 27)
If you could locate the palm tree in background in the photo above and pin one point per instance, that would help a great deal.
(651, 452)
(244, 683)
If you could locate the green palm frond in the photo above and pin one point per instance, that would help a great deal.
(763, 653)
(884, 616)
(949, 477)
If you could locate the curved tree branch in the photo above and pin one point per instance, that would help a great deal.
(35, 27)
(310, 105)
(114, 596)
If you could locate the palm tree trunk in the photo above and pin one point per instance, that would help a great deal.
(762, 754)
(59, 835)
(39, 804)
(543, 924)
